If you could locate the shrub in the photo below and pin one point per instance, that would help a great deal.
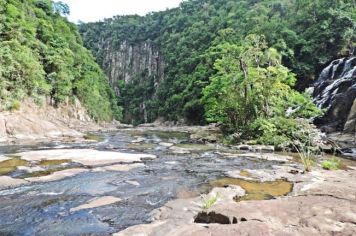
(331, 164)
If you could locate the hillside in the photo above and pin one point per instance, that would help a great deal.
(160, 64)
(42, 59)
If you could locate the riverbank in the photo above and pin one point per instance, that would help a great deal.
(33, 124)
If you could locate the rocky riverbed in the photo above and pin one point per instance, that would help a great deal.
(157, 181)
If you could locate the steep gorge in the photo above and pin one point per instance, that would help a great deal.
(159, 64)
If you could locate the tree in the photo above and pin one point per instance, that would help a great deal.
(251, 85)
(61, 8)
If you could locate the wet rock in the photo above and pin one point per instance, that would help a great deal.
(7, 182)
(262, 156)
(88, 157)
(335, 91)
(166, 144)
(178, 150)
(119, 167)
(57, 175)
(138, 140)
(97, 202)
(243, 147)
(206, 134)
(268, 175)
(255, 148)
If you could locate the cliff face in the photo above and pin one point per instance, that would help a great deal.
(133, 68)
(335, 91)
(128, 62)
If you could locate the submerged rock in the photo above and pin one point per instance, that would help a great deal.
(58, 175)
(96, 202)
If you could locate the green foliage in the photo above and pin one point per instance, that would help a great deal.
(251, 94)
(331, 164)
(41, 54)
(15, 105)
(303, 35)
(208, 202)
(306, 156)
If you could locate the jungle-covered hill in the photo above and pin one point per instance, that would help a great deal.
(42, 57)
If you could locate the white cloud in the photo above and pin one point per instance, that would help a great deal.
(94, 10)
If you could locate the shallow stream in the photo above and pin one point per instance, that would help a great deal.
(44, 208)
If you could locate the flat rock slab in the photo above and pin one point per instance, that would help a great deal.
(57, 175)
(88, 157)
(262, 156)
(96, 202)
(7, 182)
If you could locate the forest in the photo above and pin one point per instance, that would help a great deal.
(42, 56)
(242, 63)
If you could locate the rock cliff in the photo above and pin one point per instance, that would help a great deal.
(127, 62)
(335, 91)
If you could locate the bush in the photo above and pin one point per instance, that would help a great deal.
(331, 164)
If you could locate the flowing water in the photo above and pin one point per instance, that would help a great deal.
(44, 208)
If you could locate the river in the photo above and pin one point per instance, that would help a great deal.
(44, 208)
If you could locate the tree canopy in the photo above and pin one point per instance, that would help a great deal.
(42, 55)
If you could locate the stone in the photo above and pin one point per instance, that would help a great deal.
(97, 202)
(57, 175)
(166, 144)
(88, 157)
(262, 156)
(7, 182)
(335, 91)
(350, 125)
(178, 150)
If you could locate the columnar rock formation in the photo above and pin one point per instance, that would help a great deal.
(132, 61)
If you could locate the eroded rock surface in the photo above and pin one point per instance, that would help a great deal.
(88, 157)
(323, 203)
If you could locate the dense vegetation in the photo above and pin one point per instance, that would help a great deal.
(41, 55)
(307, 35)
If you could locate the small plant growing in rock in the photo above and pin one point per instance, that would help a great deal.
(331, 164)
(208, 202)
(306, 157)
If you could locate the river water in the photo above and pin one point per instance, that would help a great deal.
(44, 208)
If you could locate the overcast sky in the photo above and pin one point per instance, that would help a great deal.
(94, 10)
